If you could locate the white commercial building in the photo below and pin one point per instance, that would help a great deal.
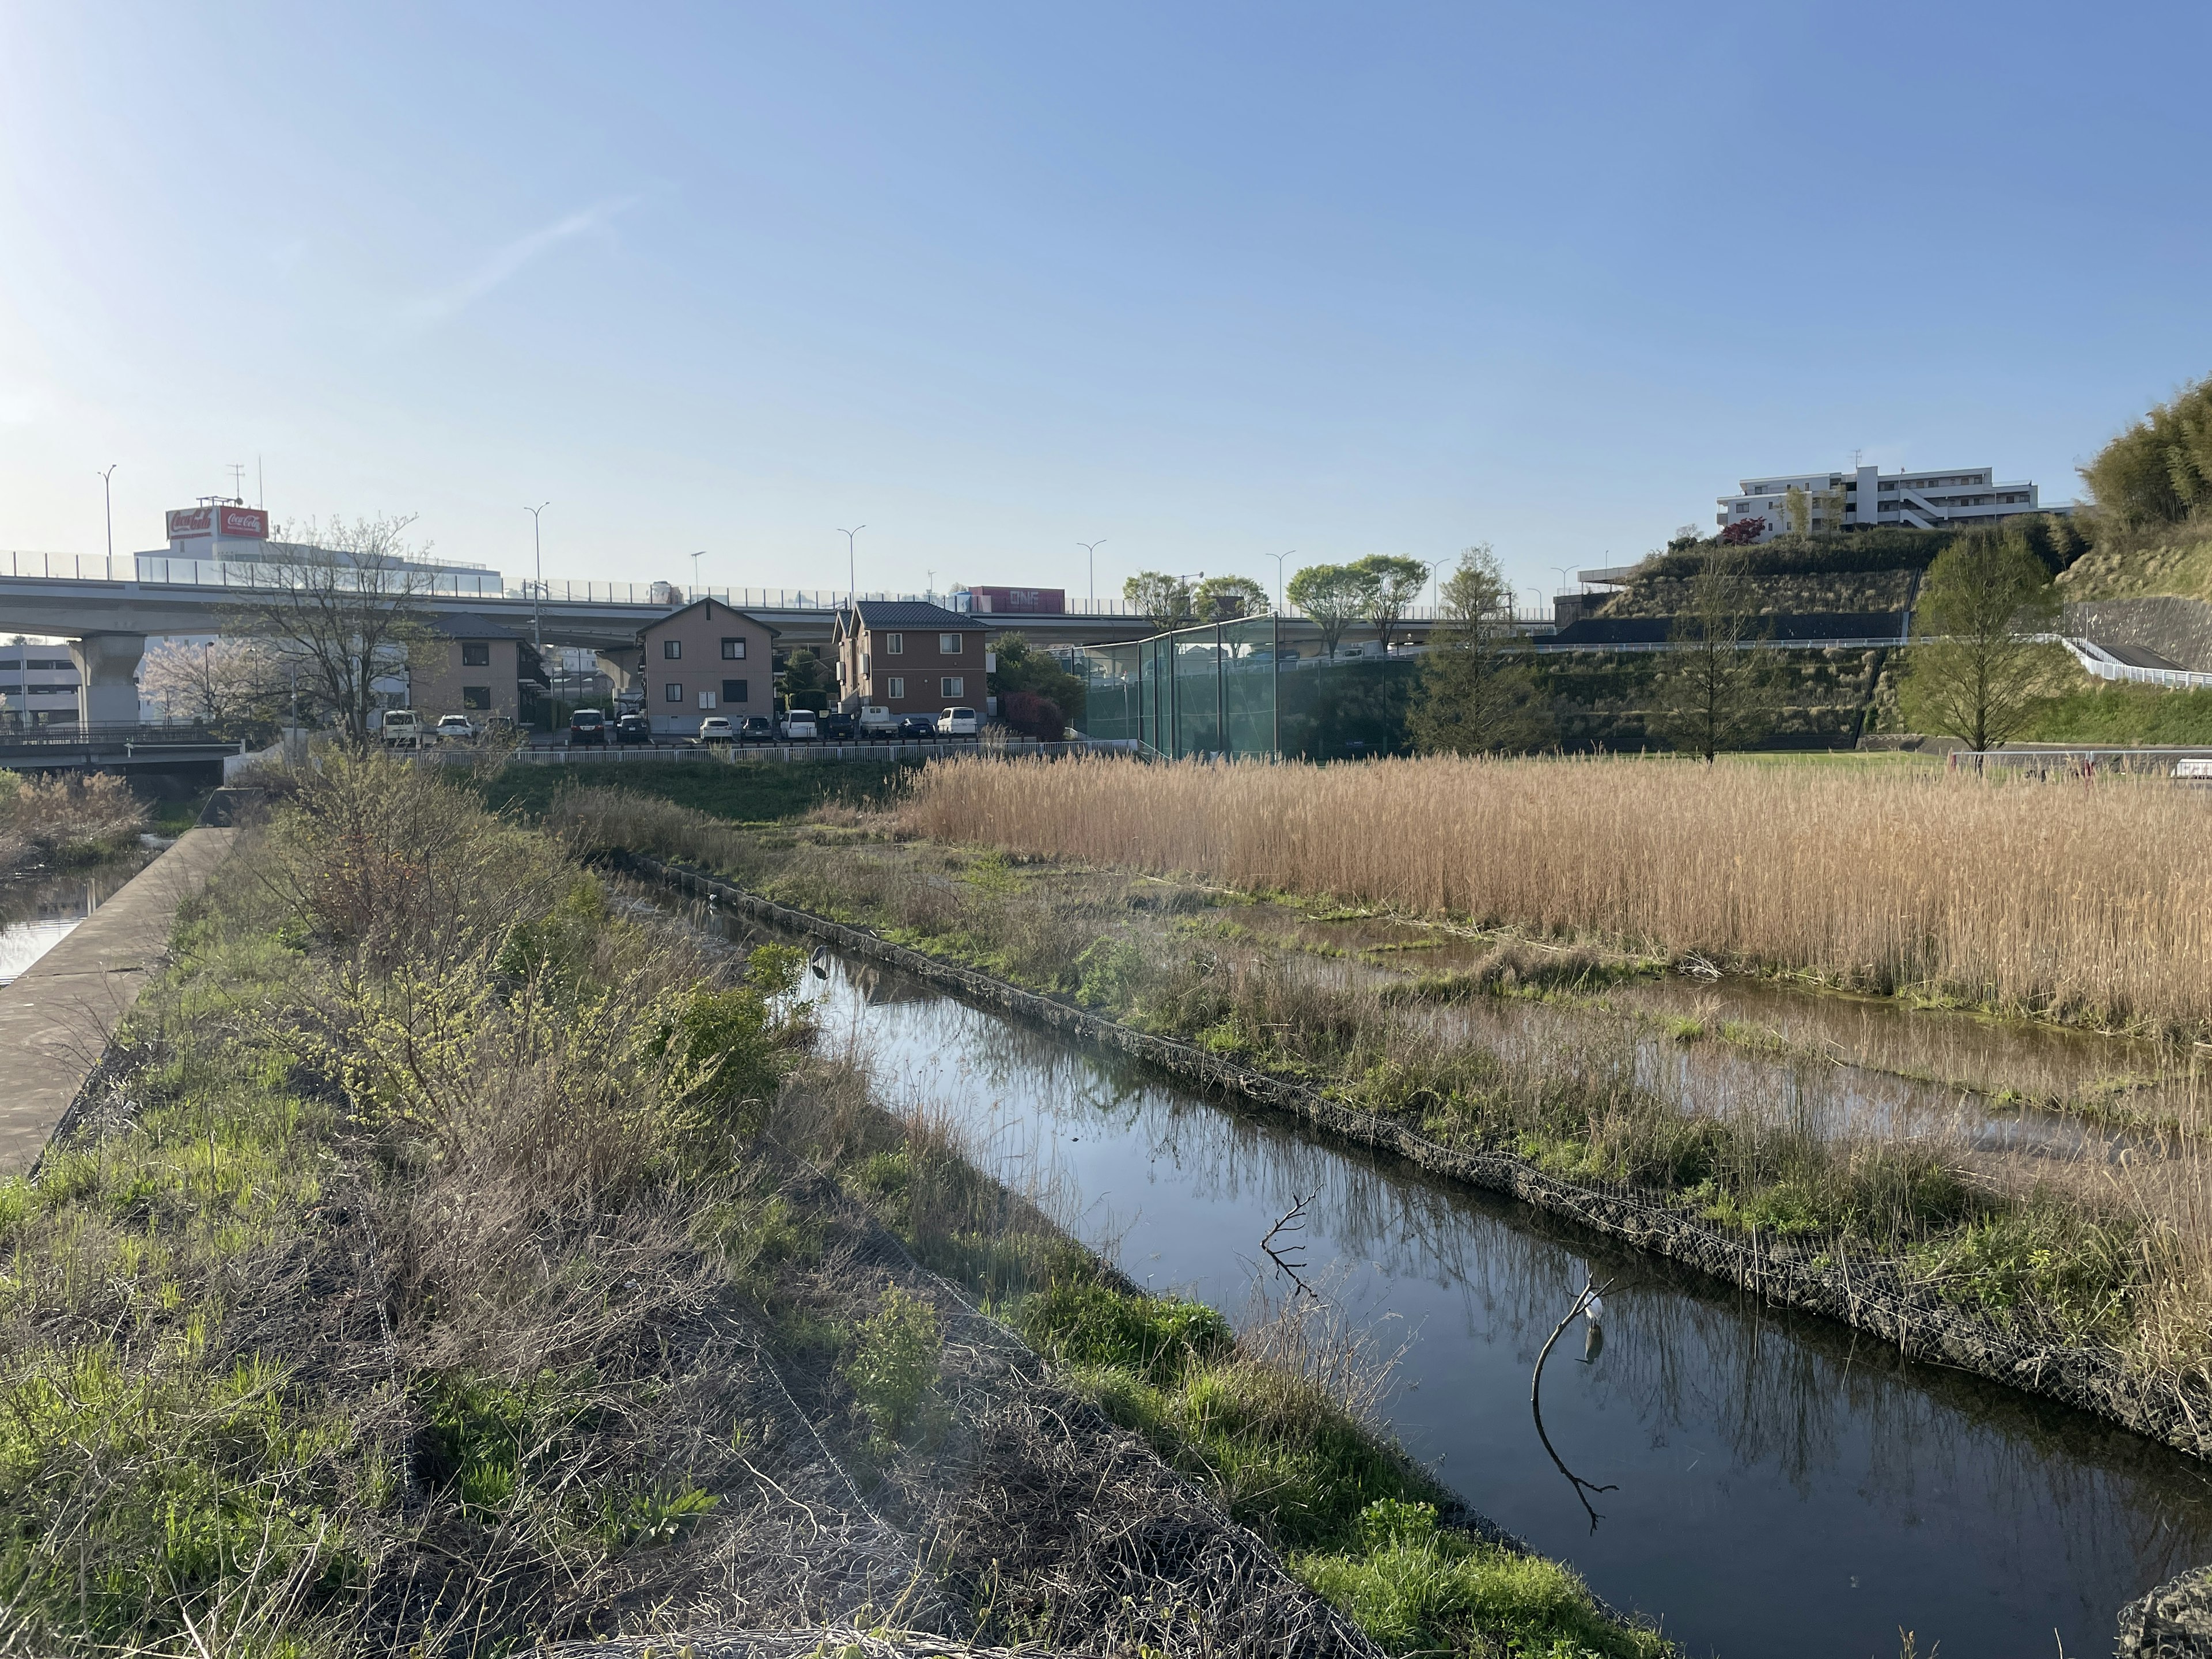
(1918, 498)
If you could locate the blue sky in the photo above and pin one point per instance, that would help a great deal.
(1210, 282)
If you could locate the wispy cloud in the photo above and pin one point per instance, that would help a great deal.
(510, 260)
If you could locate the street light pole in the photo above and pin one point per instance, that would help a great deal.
(108, 497)
(538, 588)
(852, 565)
(696, 557)
(1091, 547)
(1278, 558)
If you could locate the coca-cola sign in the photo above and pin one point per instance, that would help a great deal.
(249, 524)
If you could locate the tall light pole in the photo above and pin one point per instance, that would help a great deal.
(1091, 547)
(538, 588)
(852, 565)
(696, 557)
(107, 496)
(1290, 553)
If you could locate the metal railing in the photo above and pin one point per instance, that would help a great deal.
(2105, 666)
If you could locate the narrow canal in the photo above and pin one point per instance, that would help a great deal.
(1780, 1487)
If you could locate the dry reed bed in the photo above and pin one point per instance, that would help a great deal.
(2085, 902)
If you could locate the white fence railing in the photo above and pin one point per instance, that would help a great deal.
(2105, 666)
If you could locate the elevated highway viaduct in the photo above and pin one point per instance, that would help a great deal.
(108, 622)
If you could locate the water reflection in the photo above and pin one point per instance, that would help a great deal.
(1782, 1486)
(39, 913)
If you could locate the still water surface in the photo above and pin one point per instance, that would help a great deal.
(1783, 1486)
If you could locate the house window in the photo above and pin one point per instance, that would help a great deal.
(954, 684)
(894, 686)
(476, 696)
(706, 699)
(671, 649)
(948, 645)
(476, 654)
(734, 691)
(894, 645)
(733, 650)
(673, 691)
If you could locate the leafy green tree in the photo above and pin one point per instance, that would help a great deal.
(1225, 599)
(806, 682)
(1975, 670)
(1166, 600)
(1023, 667)
(1331, 596)
(1389, 585)
(1715, 691)
(1476, 692)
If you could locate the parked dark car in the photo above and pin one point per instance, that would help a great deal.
(587, 725)
(755, 728)
(634, 728)
(837, 728)
(915, 727)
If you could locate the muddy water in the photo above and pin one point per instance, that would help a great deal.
(1781, 1487)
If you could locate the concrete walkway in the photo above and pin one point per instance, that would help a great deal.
(56, 1018)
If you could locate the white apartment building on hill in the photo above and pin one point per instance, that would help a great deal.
(1917, 498)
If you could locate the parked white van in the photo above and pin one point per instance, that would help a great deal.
(798, 725)
(955, 723)
(402, 728)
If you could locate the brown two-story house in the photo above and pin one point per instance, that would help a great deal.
(706, 659)
(473, 665)
(910, 657)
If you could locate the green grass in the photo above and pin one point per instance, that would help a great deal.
(743, 791)
(1356, 1519)
(2123, 716)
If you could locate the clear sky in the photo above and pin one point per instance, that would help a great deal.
(1212, 282)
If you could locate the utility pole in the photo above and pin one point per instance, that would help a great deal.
(538, 588)
(107, 495)
(1091, 547)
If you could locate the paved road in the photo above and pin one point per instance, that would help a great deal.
(55, 1019)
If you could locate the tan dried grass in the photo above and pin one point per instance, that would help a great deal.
(2089, 903)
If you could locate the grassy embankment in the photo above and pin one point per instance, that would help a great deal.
(2074, 1260)
(460, 1263)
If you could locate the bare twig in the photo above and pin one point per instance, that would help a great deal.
(1589, 1292)
(1290, 1258)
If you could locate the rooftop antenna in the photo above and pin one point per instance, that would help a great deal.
(237, 470)
(260, 485)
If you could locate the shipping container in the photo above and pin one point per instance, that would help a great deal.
(1012, 601)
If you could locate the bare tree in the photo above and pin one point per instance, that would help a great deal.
(341, 607)
(1715, 688)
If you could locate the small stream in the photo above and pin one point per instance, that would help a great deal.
(1783, 1486)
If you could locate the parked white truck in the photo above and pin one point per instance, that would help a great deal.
(877, 721)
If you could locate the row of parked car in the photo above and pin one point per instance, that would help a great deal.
(405, 729)
(589, 726)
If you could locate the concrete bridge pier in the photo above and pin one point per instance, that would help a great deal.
(108, 666)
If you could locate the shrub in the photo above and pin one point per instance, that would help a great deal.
(1033, 716)
(893, 1360)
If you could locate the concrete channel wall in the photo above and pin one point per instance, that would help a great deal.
(1867, 1293)
(57, 1019)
